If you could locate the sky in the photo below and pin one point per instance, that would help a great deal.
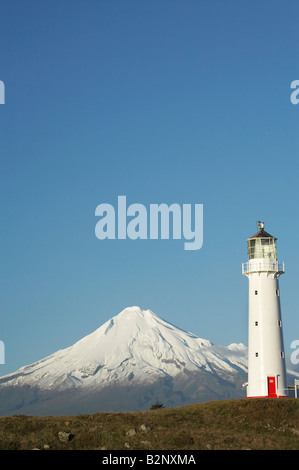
(163, 101)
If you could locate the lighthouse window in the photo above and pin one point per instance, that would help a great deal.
(262, 248)
(282, 354)
(279, 323)
(256, 354)
(256, 323)
(277, 292)
(255, 292)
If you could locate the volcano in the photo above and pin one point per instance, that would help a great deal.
(130, 362)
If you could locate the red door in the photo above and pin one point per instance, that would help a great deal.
(271, 387)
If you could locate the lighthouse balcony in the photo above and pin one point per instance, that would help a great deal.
(263, 265)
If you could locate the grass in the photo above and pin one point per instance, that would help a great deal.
(255, 424)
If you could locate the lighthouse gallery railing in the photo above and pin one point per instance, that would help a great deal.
(267, 265)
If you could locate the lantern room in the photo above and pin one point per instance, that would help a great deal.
(262, 245)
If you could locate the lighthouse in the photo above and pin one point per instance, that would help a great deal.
(266, 361)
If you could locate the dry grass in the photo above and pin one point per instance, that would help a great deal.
(220, 425)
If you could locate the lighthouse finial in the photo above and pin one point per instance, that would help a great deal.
(260, 225)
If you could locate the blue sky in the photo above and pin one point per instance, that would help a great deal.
(164, 101)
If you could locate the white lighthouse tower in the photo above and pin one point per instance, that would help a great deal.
(266, 362)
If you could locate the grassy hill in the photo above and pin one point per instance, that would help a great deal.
(225, 425)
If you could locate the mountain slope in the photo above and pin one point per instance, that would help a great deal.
(128, 363)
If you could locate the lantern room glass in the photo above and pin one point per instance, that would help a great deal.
(262, 248)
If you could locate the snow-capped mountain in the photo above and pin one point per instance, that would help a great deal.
(127, 364)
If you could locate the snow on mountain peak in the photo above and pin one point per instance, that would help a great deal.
(135, 344)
